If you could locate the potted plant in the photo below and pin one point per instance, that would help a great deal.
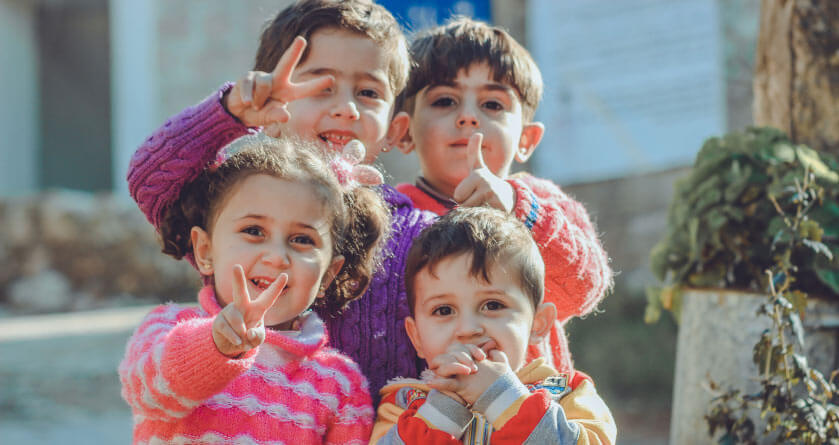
(757, 215)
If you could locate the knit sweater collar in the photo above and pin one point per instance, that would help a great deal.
(304, 342)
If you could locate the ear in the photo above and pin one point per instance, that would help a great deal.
(399, 128)
(331, 273)
(543, 321)
(531, 135)
(413, 334)
(201, 250)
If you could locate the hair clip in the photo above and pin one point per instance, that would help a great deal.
(349, 169)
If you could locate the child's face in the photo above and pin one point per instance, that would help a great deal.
(444, 116)
(268, 236)
(357, 106)
(455, 306)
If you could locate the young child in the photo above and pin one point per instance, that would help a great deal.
(470, 78)
(475, 285)
(272, 232)
(360, 49)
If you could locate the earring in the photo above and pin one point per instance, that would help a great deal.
(385, 149)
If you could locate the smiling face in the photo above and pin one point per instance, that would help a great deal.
(268, 236)
(357, 106)
(445, 116)
(452, 305)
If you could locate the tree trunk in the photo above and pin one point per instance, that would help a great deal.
(796, 82)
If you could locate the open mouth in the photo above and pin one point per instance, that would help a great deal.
(487, 346)
(261, 283)
(336, 141)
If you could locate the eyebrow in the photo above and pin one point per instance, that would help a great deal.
(264, 218)
(331, 71)
(492, 86)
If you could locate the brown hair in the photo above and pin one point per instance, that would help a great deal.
(440, 53)
(305, 17)
(359, 218)
(490, 236)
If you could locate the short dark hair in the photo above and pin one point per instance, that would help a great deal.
(490, 236)
(439, 54)
(364, 17)
(358, 217)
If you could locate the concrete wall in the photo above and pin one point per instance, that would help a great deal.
(19, 107)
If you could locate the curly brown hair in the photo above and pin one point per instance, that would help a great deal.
(359, 218)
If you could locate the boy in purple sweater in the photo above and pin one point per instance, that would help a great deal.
(337, 85)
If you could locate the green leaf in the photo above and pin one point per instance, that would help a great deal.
(819, 248)
(829, 277)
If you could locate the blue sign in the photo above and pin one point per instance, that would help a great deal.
(418, 15)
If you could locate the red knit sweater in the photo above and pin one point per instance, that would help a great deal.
(577, 272)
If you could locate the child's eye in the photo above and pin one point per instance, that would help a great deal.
(372, 94)
(494, 305)
(494, 105)
(443, 102)
(303, 239)
(442, 311)
(253, 231)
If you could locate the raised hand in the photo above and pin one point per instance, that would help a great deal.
(482, 186)
(469, 386)
(240, 326)
(260, 98)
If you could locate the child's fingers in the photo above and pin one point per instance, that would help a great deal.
(241, 299)
(466, 188)
(477, 353)
(246, 88)
(480, 196)
(269, 296)
(444, 384)
(274, 114)
(255, 336)
(496, 355)
(263, 83)
(454, 369)
(224, 327)
(289, 60)
(309, 88)
(473, 151)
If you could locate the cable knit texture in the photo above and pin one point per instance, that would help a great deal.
(370, 330)
(577, 272)
(183, 390)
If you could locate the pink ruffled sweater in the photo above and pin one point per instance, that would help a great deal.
(291, 388)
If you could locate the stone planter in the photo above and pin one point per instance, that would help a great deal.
(717, 332)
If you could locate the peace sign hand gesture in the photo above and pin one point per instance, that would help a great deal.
(240, 326)
(482, 186)
(259, 98)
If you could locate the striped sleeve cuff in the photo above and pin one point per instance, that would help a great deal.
(526, 207)
(502, 400)
(443, 413)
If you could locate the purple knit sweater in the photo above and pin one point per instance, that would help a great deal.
(371, 329)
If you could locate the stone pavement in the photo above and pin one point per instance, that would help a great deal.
(59, 377)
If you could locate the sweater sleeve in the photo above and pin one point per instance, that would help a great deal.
(178, 151)
(171, 364)
(412, 416)
(519, 416)
(353, 420)
(577, 272)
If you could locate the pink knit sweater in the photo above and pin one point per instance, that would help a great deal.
(292, 388)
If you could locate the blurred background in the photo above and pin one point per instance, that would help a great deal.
(632, 88)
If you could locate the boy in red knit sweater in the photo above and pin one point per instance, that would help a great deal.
(475, 283)
(470, 101)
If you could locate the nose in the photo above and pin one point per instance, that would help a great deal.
(469, 326)
(276, 256)
(345, 108)
(467, 117)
